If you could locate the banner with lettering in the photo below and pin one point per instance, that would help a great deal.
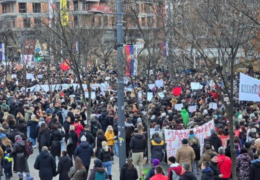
(173, 138)
(224, 140)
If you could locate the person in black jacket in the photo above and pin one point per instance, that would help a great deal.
(33, 124)
(13, 107)
(207, 173)
(84, 151)
(196, 149)
(66, 126)
(72, 147)
(186, 174)
(98, 141)
(13, 133)
(138, 145)
(128, 171)
(20, 109)
(64, 166)
(43, 136)
(214, 166)
(105, 155)
(254, 170)
(46, 165)
(22, 127)
(55, 141)
(215, 141)
(86, 132)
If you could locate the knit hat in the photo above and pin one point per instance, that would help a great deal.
(184, 141)
(213, 155)
(2, 136)
(156, 162)
(213, 131)
(172, 159)
(83, 138)
(98, 163)
(17, 137)
(139, 120)
(8, 150)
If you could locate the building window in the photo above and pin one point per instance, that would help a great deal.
(27, 22)
(113, 19)
(76, 21)
(99, 21)
(22, 8)
(4, 6)
(76, 5)
(143, 21)
(36, 7)
(105, 21)
(37, 21)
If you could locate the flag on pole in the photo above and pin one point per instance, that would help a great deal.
(76, 46)
(64, 15)
(65, 65)
(164, 48)
(131, 62)
(2, 51)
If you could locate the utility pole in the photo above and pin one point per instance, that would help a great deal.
(169, 42)
(120, 87)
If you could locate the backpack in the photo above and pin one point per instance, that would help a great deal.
(28, 148)
(94, 129)
(103, 120)
(100, 176)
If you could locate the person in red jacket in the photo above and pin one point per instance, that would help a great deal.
(158, 174)
(224, 164)
(174, 169)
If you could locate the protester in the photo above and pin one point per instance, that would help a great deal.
(110, 137)
(196, 149)
(43, 136)
(55, 141)
(78, 171)
(64, 165)
(254, 170)
(224, 164)
(243, 164)
(72, 142)
(98, 141)
(186, 173)
(206, 155)
(151, 172)
(86, 132)
(106, 156)
(46, 165)
(128, 171)
(207, 173)
(158, 174)
(214, 167)
(7, 164)
(174, 170)
(98, 172)
(185, 154)
(33, 129)
(157, 147)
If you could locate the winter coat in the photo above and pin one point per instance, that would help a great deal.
(206, 156)
(43, 138)
(19, 110)
(78, 128)
(13, 108)
(71, 148)
(215, 170)
(54, 142)
(128, 174)
(138, 143)
(225, 166)
(185, 154)
(19, 157)
(188, 175)
(254, 170)
(196, 149)
(97, 170)
(103, 120)
(77, 174)
(46, 165)
(5, 106)
(157, 146)
(84, 152)
(159, 177)
(94, 126)
(99, 140)
(185, 116)
(66, 126)
(104, 156)
(110, 138)
(89, 137)
(207, 174)
(27, 116)
(13, 133)
(195, 138)
(215, 141)
(243, 164)
(22, 127)
(176, 168)
(64, 166)
(33, 128)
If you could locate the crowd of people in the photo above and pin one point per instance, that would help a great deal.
(58, 125)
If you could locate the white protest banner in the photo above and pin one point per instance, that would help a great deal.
(159, 83)
(195, 85)
(192, 109)
(213, 106)
(178, 107)
(14, 76)
(151, 86)
(173, 138)
(126, 80)
(140, 96)
(104, 87)
(29, 76)
(93, 95)
(161, 95)
(40, 76)
(149, 96)
(249, 88)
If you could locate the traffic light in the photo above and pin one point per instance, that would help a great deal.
(38, 57)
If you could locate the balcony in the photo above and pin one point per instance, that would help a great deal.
(98, 9)
(7, 1)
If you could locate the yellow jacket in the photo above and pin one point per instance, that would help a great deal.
(110, 138)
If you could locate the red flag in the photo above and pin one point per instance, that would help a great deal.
(65, 65)
(176, 91)
(214, 95)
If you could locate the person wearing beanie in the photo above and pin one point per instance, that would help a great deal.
(174, 170)
(151, 173)
(243, 164)
(185, 154)
(7, 164)
(213, 140)
(214, 166)
(84, 151)
(98, 172)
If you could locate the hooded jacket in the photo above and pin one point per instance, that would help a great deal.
(64, 166)
(225, 166)
(84, 152)
(46, 165)
(254, 170)
(138, 143)
(188, 175)
(207, 174)
(128, 174)
(243, 164)
(176, 168)
(215, 141)
(185, 116)
(215, 170)
(18, 153)
(5, 106)
(33, 128)
(157, 145)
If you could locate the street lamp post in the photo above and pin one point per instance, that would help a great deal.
(120, 87)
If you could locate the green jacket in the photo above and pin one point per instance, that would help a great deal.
(185, 116)
(5, 106)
